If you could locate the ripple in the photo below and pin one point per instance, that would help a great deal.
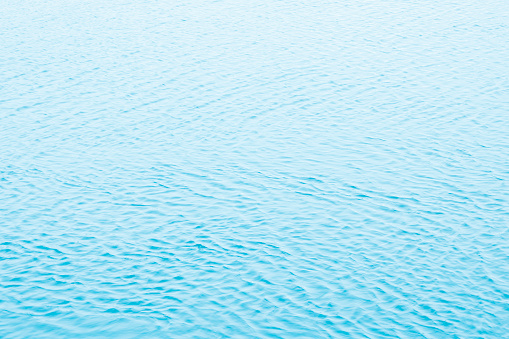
(264, 169)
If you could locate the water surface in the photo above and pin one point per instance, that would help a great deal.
(254, 169)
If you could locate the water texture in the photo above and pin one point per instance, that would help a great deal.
(254, 169)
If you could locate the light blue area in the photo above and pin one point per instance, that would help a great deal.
(254, 169)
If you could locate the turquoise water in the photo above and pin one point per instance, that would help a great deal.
(254, 169)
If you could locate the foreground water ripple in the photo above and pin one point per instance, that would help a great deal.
(261, 169)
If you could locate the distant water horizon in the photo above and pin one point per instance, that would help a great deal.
(254, 169)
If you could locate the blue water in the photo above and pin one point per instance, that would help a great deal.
(254, 169)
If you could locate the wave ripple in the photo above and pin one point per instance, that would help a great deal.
(216, 169)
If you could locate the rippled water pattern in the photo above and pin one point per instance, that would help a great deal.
(254, 169)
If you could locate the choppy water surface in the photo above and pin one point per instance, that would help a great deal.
(254, 169)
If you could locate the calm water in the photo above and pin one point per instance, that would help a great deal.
(254, 169)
